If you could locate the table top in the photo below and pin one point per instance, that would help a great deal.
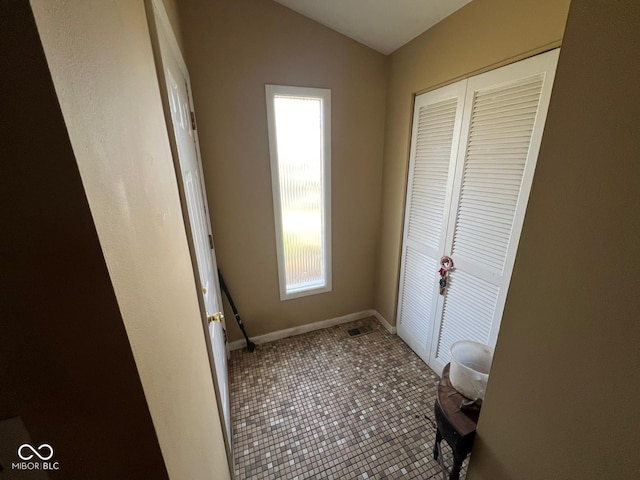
(463, 420)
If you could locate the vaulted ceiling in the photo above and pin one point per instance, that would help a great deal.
(384, 25)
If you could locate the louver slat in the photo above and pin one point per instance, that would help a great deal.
(468, 312)
(502, 121)
(434, 138)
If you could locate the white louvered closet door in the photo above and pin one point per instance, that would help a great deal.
(436, 131)
(503, 120)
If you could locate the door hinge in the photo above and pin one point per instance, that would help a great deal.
(217, 317)
(210, 242)
(193, 120)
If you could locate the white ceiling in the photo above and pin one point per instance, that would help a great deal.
(383, 25)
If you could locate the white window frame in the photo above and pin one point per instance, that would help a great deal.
(273, 91)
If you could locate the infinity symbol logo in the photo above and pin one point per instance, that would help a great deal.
(37, 452)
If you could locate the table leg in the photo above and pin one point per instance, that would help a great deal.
(458, 458)
(435, 447)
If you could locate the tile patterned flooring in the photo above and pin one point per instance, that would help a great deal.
(324, 405)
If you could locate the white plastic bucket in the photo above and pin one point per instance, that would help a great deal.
(470, 366)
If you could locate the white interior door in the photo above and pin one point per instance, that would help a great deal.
(437, 120)
(471, 208)
(194, 198)
(503, 120)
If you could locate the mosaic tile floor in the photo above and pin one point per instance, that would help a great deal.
(324, 405)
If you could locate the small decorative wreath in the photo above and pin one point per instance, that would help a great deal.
(446, 263)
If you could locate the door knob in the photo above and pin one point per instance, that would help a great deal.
(217, 317)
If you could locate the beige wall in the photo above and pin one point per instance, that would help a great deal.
(101, 61)
(562, 400)
(482, 35)
(66, 365)
(233, 48)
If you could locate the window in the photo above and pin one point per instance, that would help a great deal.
(299, 122)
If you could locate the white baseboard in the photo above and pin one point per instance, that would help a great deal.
(390, 328)
(290, 332)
